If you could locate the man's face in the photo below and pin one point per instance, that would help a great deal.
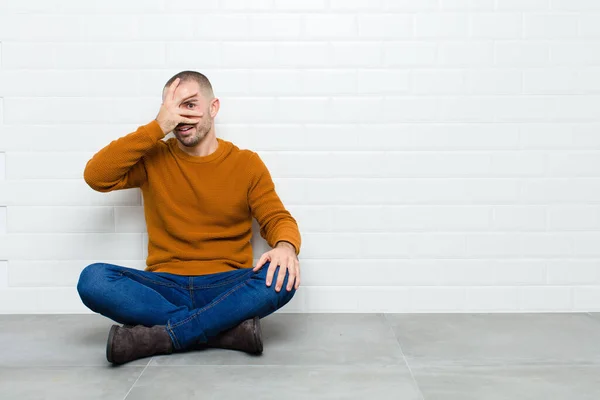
(193, 100)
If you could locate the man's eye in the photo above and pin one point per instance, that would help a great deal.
(191, 104)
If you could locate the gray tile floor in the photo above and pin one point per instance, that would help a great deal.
(318, 356)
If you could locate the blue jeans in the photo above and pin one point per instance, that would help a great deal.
(193, 308)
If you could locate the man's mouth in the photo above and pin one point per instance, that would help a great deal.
(184, 128)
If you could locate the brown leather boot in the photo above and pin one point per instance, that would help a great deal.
(128, 344)
(247, 336)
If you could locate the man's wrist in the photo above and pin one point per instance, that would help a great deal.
(163, 126)
(283, 243)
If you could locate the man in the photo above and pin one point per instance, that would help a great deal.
(200, 192)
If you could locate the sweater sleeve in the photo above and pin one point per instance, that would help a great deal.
(276, 223)
(120, 164)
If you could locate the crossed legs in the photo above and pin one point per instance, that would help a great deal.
(192, 308)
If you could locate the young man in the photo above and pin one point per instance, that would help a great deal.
(199, 288)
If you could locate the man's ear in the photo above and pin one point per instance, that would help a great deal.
(214, 107)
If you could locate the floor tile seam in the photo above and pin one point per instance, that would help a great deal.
(136, 381)
(357, 366)
(596, 320)
(72, 366)
(397, 340)
(421, 365)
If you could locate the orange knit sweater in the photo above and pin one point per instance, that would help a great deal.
(198, 209)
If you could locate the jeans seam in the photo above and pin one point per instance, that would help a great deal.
(190, 283)
(222, 283)
(209, 306)
(150, 280)
(177, 344)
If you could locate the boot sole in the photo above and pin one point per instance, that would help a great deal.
(109, 343)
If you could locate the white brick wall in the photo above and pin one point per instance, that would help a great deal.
(439, 155)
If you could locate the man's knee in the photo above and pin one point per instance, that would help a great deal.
(88, 281)
(281, 298)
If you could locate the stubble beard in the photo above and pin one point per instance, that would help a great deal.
(194, 139)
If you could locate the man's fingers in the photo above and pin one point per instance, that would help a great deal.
(180, 98)
(189, 121)
(292, 275)
(271, 271)
(261, 261)
(281, 276)
(187, 117)
(297, 274)
(190, 113)
(171, 91)
(297, 282)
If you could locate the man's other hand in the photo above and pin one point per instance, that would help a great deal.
(284, 255)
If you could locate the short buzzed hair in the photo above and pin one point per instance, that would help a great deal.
(201, 79)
